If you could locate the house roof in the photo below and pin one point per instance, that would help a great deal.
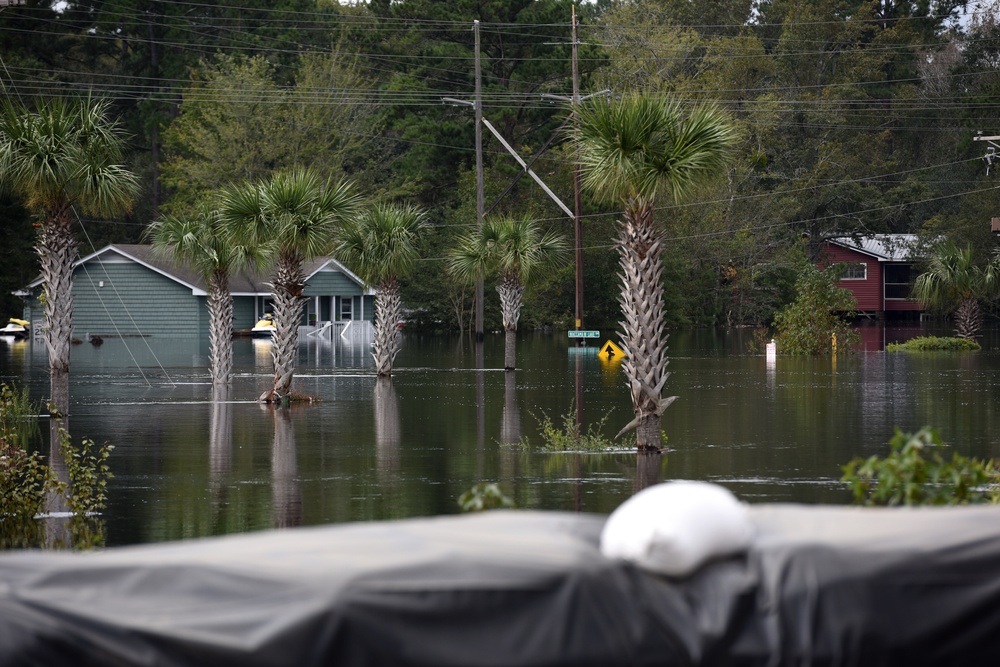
(243, 283)
(884, 247)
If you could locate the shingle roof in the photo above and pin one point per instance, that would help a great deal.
(241, 283)
(886, 247)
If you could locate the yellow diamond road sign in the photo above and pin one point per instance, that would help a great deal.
(611, 352)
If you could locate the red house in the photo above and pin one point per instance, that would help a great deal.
(880, 271)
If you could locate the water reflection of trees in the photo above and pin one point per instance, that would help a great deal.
(285, 489)
(220, 447)
(387, 430)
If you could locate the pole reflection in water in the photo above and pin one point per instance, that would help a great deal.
(480, 409)
(286, 494)
(387, 430)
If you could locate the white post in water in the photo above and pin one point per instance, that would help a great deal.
(772, 352)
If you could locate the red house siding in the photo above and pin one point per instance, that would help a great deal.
(869, 293)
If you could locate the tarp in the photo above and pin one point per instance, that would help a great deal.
(820, 586)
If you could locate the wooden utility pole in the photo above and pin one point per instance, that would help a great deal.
(577, 198)
(480, 199)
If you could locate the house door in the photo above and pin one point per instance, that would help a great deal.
(346, 308)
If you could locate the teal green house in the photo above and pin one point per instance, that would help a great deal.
(128, 290)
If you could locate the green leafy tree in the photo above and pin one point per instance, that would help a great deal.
(294, 215)
(200, 242)
(956, 283)
(516, 251)
(382, 245)
(631, 151)
(63, 160)
(818, 317)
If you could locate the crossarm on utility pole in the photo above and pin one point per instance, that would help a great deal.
(527, 169)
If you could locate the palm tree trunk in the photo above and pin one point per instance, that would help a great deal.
(220, 334)
(388, 308)
(288, 302)
(644, 338)
(968, 319)
(57, 250)
(511, 292)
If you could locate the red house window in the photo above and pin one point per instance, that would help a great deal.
(855, 271)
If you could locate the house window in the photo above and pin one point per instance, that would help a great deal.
(898, 281)
(855, 271)
(346, 307)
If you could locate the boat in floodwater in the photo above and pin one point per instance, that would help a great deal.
(264, 327)
(16, 328)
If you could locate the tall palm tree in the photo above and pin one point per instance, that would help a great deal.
(955, 282)
(515, 250)
(63, 159)
(631, 151)
(382, 246)
(200, 242)
(295, 215)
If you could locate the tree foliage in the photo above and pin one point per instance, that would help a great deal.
(817, 320)
(851, 117)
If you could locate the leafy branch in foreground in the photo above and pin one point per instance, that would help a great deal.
(484, 496)
(27, 483)
(916, 473)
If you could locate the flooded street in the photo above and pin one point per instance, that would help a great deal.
(187, 466)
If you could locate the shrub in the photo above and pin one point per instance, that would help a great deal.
(820, 312)
(935, 344)
(916, 473)
(27, 483)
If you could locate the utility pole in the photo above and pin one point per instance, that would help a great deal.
(577, 198)
(480, 199)
(575, 101)
(477, 106)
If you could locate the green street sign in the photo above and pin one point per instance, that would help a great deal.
(584, 334)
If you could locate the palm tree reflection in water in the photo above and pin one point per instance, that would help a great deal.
(286, 494)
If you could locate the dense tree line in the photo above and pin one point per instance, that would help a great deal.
(852, 116)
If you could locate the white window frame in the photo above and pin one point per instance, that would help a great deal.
(847, 274)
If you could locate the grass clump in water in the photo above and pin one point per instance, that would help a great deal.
(566, 437)
(935, 344)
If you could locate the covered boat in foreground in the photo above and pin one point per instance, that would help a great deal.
(816, 586)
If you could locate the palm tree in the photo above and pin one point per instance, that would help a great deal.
(199, 241)
(294, 215)
(64, 159)
(953, 281)
(382, 246)
(515, 250)
(631, 151)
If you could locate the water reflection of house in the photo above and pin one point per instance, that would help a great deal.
(127, 290)
(879, 272)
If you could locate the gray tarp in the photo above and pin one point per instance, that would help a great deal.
(821, 586)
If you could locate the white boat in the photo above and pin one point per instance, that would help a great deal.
(16, 328)
(264, 326)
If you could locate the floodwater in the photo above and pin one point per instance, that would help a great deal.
(186, 466)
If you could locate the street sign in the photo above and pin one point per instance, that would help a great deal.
(584, 334)
(612, 352)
